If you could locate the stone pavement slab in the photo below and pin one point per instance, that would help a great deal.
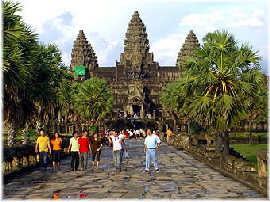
(181, 177)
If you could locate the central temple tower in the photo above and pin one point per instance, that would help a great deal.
(136, 58)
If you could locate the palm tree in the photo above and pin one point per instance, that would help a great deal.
(93, 100)
(19, 46)
(63, 96)
(32, 74)
(173, 98)
(216, 79)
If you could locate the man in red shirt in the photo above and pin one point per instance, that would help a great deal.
(84, 148)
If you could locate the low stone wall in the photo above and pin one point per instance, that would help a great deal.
(19, 157)
(231, 166)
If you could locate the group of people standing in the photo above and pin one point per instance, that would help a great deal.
(80, 147)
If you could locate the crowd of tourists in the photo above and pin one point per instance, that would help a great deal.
(80, 146)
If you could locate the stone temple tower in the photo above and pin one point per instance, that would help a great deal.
(83, 55)
(187, 49)
(136, 57)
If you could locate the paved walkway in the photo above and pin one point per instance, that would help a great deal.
(181, 177)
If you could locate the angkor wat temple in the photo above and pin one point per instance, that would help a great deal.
(137, 79)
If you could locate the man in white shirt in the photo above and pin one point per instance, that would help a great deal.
(116, 141)
(151, 144)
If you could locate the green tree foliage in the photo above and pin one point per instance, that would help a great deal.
(218, 81)
(19, 47)
(92, 99)
(33, 73)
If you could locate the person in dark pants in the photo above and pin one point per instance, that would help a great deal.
(74, 149)
(84, 148)
(43, 146)
(56, 150)
(96, 145)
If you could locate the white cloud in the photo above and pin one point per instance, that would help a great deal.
(221, 19)
(241, 19)
(205, 22)
(166, 49)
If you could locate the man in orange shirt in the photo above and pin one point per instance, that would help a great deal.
(56, 150)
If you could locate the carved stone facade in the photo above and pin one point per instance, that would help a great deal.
(83, 54)
(187, 49)
(137, 79)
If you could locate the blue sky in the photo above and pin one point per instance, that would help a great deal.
(167, 22)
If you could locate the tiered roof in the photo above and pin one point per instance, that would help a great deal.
(83, 53)
(136, 50)
(187, 50)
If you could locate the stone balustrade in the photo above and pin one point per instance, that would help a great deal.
(262, 157)
(233, 165)
(262, 162)
(21, 156)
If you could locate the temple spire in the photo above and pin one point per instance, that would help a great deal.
(187, 49)
(136, 49)
(83, 53)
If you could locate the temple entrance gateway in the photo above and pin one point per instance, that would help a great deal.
(136, 109)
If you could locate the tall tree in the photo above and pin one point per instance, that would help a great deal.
(217, 78)
(93, 100)
(174, 100)
(19, 46)
(32, 73)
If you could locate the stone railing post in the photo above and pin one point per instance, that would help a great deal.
(262, 162)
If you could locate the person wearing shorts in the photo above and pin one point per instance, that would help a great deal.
(56, 150)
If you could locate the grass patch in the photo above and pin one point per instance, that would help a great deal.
(246, 134)
(249, 151)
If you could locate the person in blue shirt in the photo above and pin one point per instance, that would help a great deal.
(151, 144)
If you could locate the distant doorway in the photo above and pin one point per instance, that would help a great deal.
(136, 109)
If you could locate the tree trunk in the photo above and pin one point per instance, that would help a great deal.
(188, 127)
(250, 132)
(59, 121)
(25, 134)
(226, 143)
(66, 119)
(38, 125)
(174, 123)
(218, 143)
(11, 134)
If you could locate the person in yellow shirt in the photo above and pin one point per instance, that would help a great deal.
(56, 150)
(43, 146)
(169, 134)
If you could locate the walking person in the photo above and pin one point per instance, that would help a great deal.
(96, 145)
(56, 150)
(151, 144)
(123, 145)
(43, 146)
(115, 141)
(169, 134)
(84, 147)
(74, 149)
